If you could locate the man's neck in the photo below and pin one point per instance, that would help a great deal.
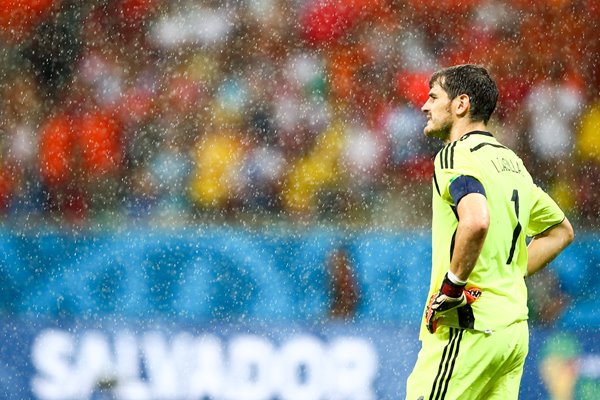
(462, 127)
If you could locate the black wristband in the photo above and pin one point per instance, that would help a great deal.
(450, 288)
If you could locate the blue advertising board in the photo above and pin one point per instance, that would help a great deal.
(252, 361)
(224, 313)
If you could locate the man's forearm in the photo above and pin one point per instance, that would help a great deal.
(468, 245)
(472, 229)
(545, 247)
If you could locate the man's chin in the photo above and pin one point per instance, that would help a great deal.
(433, 133)
(436, 133)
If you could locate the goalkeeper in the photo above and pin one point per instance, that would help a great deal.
(474, 330)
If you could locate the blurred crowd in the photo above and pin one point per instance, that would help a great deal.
(286, 109)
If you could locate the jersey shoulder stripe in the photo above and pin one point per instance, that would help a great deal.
(446, 156)
(440, 157)
(452, 146)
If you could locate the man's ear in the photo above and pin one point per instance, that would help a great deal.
(463, 105)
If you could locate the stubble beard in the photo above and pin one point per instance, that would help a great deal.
(442, 131)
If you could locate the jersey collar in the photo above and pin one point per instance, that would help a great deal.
(466, 135)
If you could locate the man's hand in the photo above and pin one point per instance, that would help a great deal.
(450, 296)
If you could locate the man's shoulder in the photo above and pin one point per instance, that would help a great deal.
(456, 153)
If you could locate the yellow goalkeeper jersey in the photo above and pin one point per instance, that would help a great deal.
(518, 208)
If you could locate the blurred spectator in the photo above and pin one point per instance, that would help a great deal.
(363, 160)
(553, 106)
(264, 165)
(559, 368)
(546, 300)
(588, 152)
(403, 124)
(59, 175)
(19, 122)
(100, 152)
(81, 156)
(567, 371)
(315, 172)
(170, 170)
(216, 178)
(55, 47)
(345, 295)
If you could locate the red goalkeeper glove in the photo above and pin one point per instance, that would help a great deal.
(449, 297)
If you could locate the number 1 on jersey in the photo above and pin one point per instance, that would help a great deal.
(517, 231)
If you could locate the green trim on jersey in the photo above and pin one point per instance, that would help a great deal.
(517, 208)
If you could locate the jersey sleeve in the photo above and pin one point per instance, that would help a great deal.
(545, 213)
(451, 162)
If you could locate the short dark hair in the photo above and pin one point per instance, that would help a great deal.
(472, 80)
